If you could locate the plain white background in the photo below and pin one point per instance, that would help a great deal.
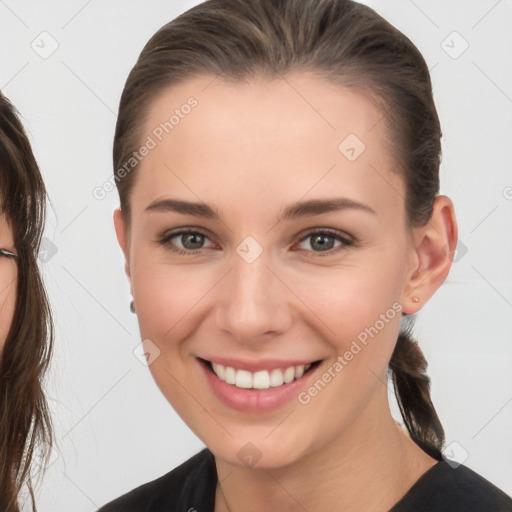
(64, 63)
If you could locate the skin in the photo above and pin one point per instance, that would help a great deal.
(250, 149)
(8, 280)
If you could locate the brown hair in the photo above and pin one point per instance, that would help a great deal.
(25, 422)
(349, 44)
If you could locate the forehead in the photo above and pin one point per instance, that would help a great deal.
(296, 133)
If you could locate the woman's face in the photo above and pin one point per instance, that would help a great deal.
(8, 281)
(253, 287)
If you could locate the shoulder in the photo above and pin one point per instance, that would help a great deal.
(444, 488)
(190, 485)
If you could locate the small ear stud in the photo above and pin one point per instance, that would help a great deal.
(132, 306)
(415, 299)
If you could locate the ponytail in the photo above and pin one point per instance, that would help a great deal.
(412, 390)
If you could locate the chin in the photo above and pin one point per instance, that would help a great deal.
(257, 452)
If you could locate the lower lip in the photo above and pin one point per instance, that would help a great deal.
(255, 400)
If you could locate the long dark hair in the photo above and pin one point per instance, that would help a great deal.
(25, 423)
(341, 40)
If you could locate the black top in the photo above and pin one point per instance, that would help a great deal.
(192, 486)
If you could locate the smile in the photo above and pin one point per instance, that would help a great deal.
(257, 386)
(261, 379)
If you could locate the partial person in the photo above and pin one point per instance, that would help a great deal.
(26, 327)
(280, 215)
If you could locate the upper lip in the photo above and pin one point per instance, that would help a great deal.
(261, 364)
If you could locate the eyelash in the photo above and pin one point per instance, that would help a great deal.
(346, 241)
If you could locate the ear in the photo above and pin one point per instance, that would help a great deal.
(122, 239)
(433, 252)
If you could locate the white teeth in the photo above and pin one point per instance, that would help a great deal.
(229, 375)
(219, 370)
(243, 379)
(276, 377)
(262, 379)
(289, 374)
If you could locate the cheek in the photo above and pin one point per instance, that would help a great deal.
(168, 301)
(350, 300)
(358, 310)
(159, 301)
(163, 296)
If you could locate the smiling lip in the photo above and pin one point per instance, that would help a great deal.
(255, 400)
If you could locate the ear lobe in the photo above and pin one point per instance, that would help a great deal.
(120, 227)
(435, 245)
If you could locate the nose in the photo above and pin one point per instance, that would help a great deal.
(254, 303)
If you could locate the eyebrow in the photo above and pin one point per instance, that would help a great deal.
(292, 211)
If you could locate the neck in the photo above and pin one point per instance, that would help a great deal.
(369, 467)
